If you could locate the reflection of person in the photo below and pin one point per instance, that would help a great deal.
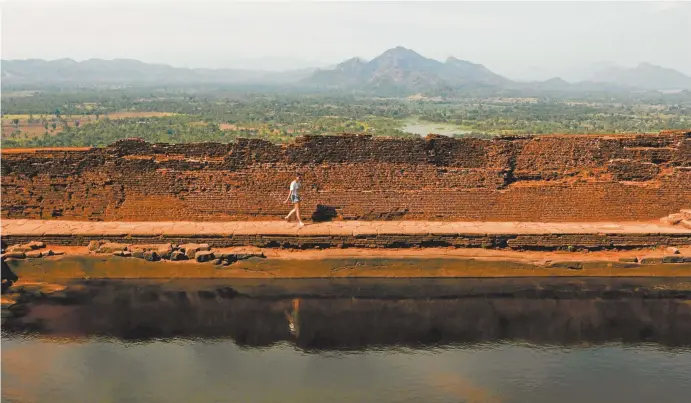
(294, 197)
(293, 318)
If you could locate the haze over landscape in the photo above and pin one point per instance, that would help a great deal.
(520, 41)
(91, 73)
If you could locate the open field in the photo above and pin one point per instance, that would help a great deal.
(30, 126)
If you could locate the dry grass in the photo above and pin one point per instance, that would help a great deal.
(37, 128)
(233, 127)
(133, 114)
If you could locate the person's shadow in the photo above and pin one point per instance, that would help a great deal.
(324, 213)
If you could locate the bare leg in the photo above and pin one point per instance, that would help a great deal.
(297, 213)
(287, 218)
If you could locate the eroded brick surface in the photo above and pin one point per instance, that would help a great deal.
(547, 178)
(539, 242)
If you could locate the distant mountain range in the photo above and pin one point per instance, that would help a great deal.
(128, 71)
(645, 76)
(406, 70)
(398, 70)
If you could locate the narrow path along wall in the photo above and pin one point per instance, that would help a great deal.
(555, 178)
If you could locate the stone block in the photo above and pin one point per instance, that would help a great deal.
(18, 248)
(628, 259)
(123, 253)
(204, 256)
(194, 246)
(26, 247)
(673, 259)
(34, 254)
(651, 260)
(93, 246)
(165, 250)
(672, 250)
(673, 219)
(191, 249)
(177, 255)
(151, 256)
(686, 224)
(14, 255)
(156, 247)
(36, 245)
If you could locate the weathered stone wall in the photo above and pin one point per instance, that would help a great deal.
(546, 178)
(539, 242)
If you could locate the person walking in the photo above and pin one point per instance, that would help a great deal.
(294, 197)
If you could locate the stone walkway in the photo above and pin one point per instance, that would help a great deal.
(352, 228)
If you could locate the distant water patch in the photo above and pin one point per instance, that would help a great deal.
(424, 128)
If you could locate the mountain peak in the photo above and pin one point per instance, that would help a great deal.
(403, 70)
(646, 65)
(400, 51)
(64, 60)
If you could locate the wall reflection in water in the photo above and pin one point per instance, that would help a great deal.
(337, 320)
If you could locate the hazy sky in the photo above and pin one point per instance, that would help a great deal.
(507, 37)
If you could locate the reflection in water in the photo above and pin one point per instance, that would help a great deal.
(355, 342)
(462, 388)
(8, 276)
(294, 318)
(334, 320)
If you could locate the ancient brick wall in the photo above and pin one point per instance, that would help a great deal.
(546, 178)
(538, 242)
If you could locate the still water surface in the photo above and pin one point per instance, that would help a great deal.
(187, 341)
(423, 128)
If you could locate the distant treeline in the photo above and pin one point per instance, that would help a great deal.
(221, 114)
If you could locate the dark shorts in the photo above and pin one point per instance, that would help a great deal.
(294, 199)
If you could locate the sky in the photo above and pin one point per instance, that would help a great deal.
(516, 39)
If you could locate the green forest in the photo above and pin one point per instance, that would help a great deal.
(83, 117)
